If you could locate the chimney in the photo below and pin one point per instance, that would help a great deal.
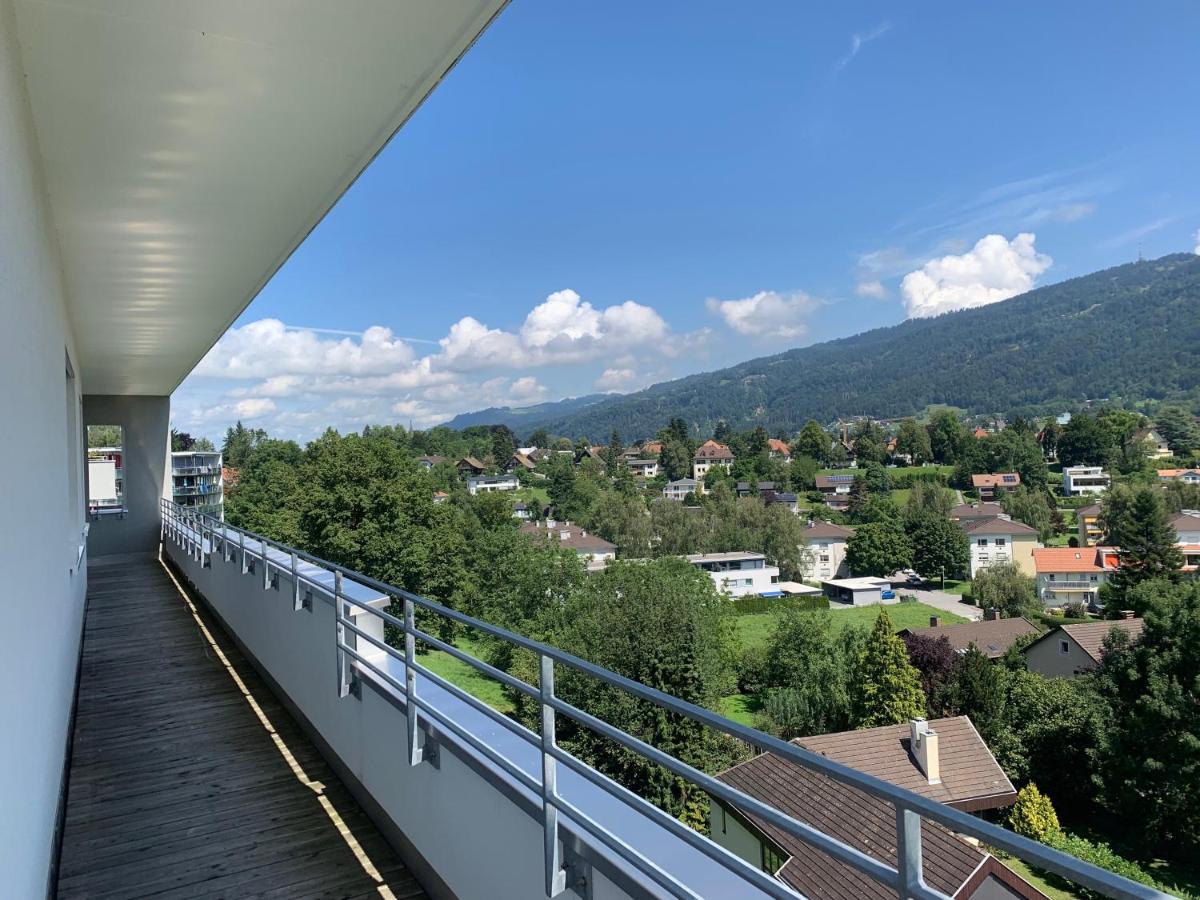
(923, 744)
(1128, 614)
(991, 614)
(934, 621)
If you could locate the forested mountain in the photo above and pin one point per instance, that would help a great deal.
(518, 417)
(1128, 333)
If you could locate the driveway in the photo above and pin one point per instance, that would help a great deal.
(951, 603)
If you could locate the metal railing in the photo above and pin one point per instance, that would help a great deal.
(194, 532)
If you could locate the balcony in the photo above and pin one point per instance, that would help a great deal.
(175, 734)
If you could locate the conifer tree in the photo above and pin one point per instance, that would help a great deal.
(886, 689)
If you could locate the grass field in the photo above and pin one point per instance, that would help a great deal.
(740, 707)
(755, 630)
(464, 676)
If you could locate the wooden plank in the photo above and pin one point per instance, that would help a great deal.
(176, 784)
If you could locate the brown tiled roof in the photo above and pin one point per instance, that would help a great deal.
(775, 445)
(1188, 520)
(971, 777)
(576, 538)
(850, 815)
(998, 525)
(976, 511)
(522, 460)
(996, 479)
(1093, 510)
(472, 462)
(827, 530)
(1090, 635)
(992, 638)
(1072, 559)
(710, 449)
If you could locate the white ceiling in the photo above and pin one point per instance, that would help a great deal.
(190, 145)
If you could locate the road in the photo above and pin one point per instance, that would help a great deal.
(940, 600)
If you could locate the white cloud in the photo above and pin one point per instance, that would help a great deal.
(526, 390)
(616, 379)
(767, 315)
(472, 345)
(858, 40)
(994, 269)
(253, 407)
(872, 288)
(267, 348)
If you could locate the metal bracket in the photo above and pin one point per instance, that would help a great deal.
(579, 873)
(429, 750)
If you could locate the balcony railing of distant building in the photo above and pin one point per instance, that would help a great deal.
(210, 542)
(1072, 586)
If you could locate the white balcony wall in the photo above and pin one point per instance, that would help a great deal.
(43, 598)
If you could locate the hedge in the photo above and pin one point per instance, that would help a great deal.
(906, 478)
(750, 605)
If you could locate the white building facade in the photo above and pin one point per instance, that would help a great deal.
(739, 574)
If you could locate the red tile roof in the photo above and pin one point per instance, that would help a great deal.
(775, 445)
(1074, 559)
(998, 479)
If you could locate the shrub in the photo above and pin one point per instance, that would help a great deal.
(908, 598)
(1075, 610)
(752, 670)
(1098, 854)
(750, 605)
(1033, 815)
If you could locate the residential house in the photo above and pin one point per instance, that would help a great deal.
(1071, 650)
(1072, 574)
(990, 486)
(739, 574)
(522, 511)
(827, 550)
(916, 754)
(835, 490)
(519, 462)
(679, 490)
(1087, 526)
(1187, 476)
(440, 497)
(596, 453)
(1155, 444)
(593, 550)
(469, 465)
(762, 488)
(1187, 535)
(1001, 540)
(710, 454)
(980, 433)
(651, 448)
(969, 513)
(859, 591)
(778, 449)
(490, 484)
(992, 636)
(644, 468)
(783, 498)
(229, 477)
(428, 462)
(1079, 480)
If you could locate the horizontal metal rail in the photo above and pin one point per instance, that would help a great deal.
(192, 530)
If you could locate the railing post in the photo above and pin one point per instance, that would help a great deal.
(340, 630)
(556, 876)
(242, 551)
(296, 602)
(908, 852)
(262, 546)
(410, 681)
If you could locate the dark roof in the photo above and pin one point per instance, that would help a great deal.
(971, 777)
(761, 485)
(1090, 635)
(976, 511)
(850, 815)
(827, 530)
(833, 480)
(998, 525)
(1092, 510)
(710, 449)
(993, 637)
(432, 460)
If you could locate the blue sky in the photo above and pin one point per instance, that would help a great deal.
(602, 196)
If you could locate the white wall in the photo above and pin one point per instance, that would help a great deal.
(42, 461)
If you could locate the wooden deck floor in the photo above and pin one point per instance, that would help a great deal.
(188, 779)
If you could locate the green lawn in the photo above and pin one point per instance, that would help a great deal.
(1055, 891)
(755, 630)
(962, 588)
(740, 707)
(462, 675)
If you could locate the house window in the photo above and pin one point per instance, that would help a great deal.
(1051, 576)
(772, 862)
(1064, 647)
(982, 542)
(1093, 577)
(1000, 542)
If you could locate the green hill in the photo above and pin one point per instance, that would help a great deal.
(1128, 333)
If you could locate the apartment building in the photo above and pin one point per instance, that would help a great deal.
(680, 490)
(739, 574)
(1001, 540)
(491, 484)
(644, 468)
(1187, 535)
(1087, 525)
(197, 481)
(826, 550)
(260, 734)
(1081, 480)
